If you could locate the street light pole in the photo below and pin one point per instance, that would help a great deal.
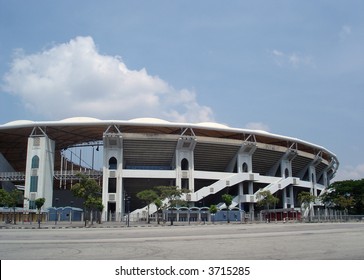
(127, 199)
(56, 210)
(71, 212)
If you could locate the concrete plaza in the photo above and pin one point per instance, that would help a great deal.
(290, 241)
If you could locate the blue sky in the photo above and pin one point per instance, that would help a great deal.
(294, 68)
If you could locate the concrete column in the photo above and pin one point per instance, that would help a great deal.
(39, 170)
(241, 193)
(251, 205)
(286, 168)
(284, 198)
(185, 162)
(112, 171)
(291, 196)
(312, 172)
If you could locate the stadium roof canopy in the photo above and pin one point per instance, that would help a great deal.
(73, 131)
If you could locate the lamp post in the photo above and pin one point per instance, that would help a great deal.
(25, 206)
(188, 198)
(189, 215)
(56, 212)
(127, 200)
(203, 211)
(71, 211)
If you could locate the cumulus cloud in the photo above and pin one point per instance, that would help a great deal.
(74, 79)
(350, 173)
(293, 59)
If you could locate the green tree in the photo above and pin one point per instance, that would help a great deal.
(159, 204)
(228, 200)
(11, 199)
(90, 192)
(213, 210)
(94, 203)
(305, 199)
(39, 202)
(4, 198)
(267, 199)
(345, 195)
(149, 197)
(14, 198)
(173, 195)
(99, 208)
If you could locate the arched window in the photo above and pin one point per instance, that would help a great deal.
(245, 167)
(286, 173)
(35, 162)
(184, 164)
(113, 163)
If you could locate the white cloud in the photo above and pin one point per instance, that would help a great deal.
(74, 79)
(257, 126)
(293, 59)
(350, 173)
(345, 31)
(277, 53)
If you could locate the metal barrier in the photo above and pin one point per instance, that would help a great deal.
(59, 175)
(12, 176)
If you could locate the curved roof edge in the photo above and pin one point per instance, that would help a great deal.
(80, 120)
(155, 122)
(148, 120)
(18, 123)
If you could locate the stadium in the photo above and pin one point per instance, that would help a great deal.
(126, 157)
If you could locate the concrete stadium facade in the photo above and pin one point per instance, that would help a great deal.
(209, 159)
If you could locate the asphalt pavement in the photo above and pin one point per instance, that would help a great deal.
(234, 241)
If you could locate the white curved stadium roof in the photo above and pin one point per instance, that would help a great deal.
(76, 130)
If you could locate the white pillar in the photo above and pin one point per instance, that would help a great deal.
(284, 196)
(291, 196)
(185, 162)
(39, 171)
(313, 179)
(112, 174)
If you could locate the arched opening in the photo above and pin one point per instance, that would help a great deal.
(113, 163)
(245, 167)
(286, 173)
(184, 164)
(35, 162)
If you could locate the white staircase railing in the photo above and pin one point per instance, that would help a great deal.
(229, 180)
(280, 184)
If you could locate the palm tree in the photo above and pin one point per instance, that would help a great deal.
(305, 199)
